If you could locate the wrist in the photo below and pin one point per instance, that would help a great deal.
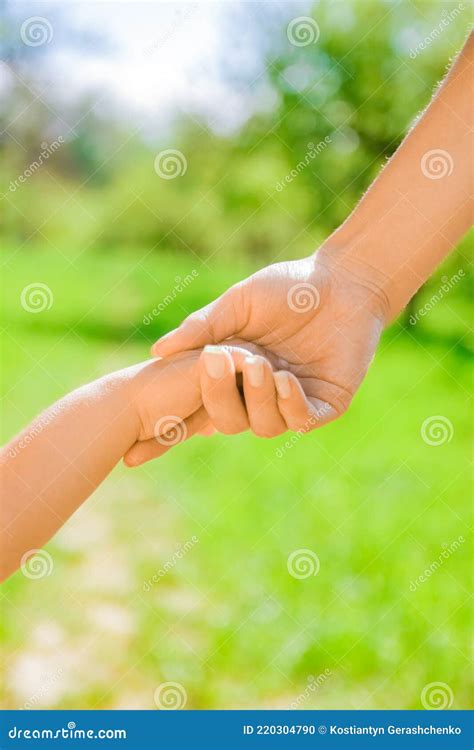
(341, 255)
(120, 391)
(142, 391)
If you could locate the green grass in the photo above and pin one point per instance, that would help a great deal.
(366, 494)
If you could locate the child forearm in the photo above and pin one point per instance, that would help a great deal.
(59, 460)
(420, 205)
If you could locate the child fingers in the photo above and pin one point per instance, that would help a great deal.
(261, 398)
(219, 392)
(143, 451)
(300, 413)
(146, 450)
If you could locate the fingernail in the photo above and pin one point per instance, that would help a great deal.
(283, 386)
(215, 362)
(255, 371)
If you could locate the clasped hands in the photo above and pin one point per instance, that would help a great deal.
(286, 348)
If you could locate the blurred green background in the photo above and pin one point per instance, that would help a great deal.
(112, 240)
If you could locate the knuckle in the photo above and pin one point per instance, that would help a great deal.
(341, 405)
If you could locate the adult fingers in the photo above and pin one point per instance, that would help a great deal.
(300, 413)
(261, 398)
(219, 392)
(208, 430)
(217, 321)
(145, 450)
(240, 349)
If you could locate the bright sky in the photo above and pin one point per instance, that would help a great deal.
(151, 59)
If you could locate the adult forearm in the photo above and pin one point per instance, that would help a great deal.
(51, 467)
(421, 204)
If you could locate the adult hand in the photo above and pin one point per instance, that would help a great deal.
(324, 315)
(321, 322)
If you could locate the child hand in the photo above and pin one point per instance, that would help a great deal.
(166, 394)
(229, 388)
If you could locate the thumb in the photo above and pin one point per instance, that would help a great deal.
(212, 324)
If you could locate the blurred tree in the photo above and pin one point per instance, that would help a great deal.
(333, 110)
